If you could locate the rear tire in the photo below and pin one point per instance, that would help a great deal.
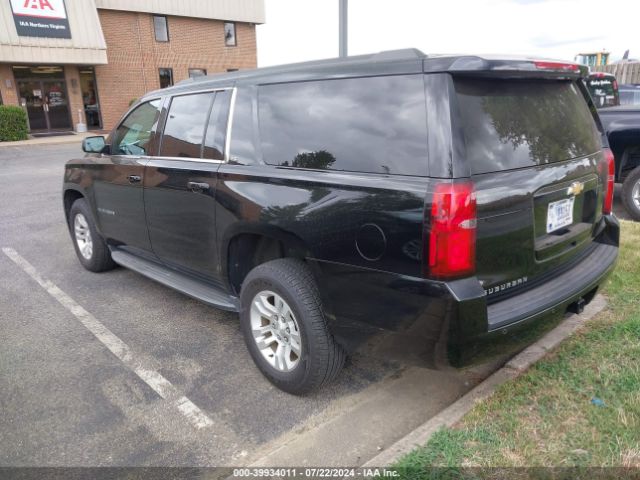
(285, 329)
(631, 193)
(91, 249)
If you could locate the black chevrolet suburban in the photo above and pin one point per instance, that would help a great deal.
(447, 200)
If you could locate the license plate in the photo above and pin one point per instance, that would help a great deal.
(560, 214)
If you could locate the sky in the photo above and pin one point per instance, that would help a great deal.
(300, 30)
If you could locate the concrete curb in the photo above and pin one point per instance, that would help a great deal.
(513, 369)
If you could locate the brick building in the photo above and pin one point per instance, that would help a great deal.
(70, 62)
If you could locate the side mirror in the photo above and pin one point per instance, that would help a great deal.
(94, 144)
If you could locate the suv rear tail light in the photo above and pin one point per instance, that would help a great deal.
(609, 165)
(451, 234)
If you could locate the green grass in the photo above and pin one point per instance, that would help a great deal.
(546, 417)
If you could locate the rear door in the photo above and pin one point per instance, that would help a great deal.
(180, 183)
(118, 178)
(534, 153)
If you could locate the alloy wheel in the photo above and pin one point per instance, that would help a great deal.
(275, 331)
(635, 194)
(83, 236)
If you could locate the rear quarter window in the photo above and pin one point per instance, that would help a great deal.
(375, 124)
(511, 124)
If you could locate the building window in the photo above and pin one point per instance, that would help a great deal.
(166, 77)
(161, 28)
(197, 72)
(230, 34)
(232, 69)
(90, 97)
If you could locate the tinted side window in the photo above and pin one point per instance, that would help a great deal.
(134, 135)
(375, 124)
(217, 127)
(243, 144)
(184, 128)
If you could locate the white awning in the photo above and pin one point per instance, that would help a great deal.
(250, 11)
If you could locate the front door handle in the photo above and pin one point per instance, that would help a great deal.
(134, 178)
(196, 187)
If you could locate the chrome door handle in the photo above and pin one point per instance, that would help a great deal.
(134, 178)
(196, 187)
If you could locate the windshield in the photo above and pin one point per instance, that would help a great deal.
(511, 124)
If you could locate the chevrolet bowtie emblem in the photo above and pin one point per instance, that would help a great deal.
(576, 188)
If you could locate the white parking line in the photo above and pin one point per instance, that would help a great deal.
(121, 350)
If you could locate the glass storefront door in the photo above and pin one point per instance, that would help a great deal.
(57, 111)
(31, 97)
(90, 98)
(43, 93)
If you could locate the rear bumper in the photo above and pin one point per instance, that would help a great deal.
(566, 287)
(455, 317)
(516, 321)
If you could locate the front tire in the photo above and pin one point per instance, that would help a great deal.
(631, 193)
(285, 329)
(91, 249)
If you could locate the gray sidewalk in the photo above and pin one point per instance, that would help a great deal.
(512, 369)
(53, 140)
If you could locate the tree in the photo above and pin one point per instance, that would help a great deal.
(320, 160)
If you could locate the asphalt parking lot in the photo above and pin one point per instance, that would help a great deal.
(68, 400)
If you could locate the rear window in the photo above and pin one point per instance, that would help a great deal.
(512, 124)
(603, 91)
(375, 124)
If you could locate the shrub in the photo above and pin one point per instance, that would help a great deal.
(13, 123)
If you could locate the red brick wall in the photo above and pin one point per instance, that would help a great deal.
(134, 56)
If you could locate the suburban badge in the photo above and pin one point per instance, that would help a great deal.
(505, 286)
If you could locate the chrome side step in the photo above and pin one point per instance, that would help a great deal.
(205, 292)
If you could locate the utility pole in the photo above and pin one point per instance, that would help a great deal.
(344, 21)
